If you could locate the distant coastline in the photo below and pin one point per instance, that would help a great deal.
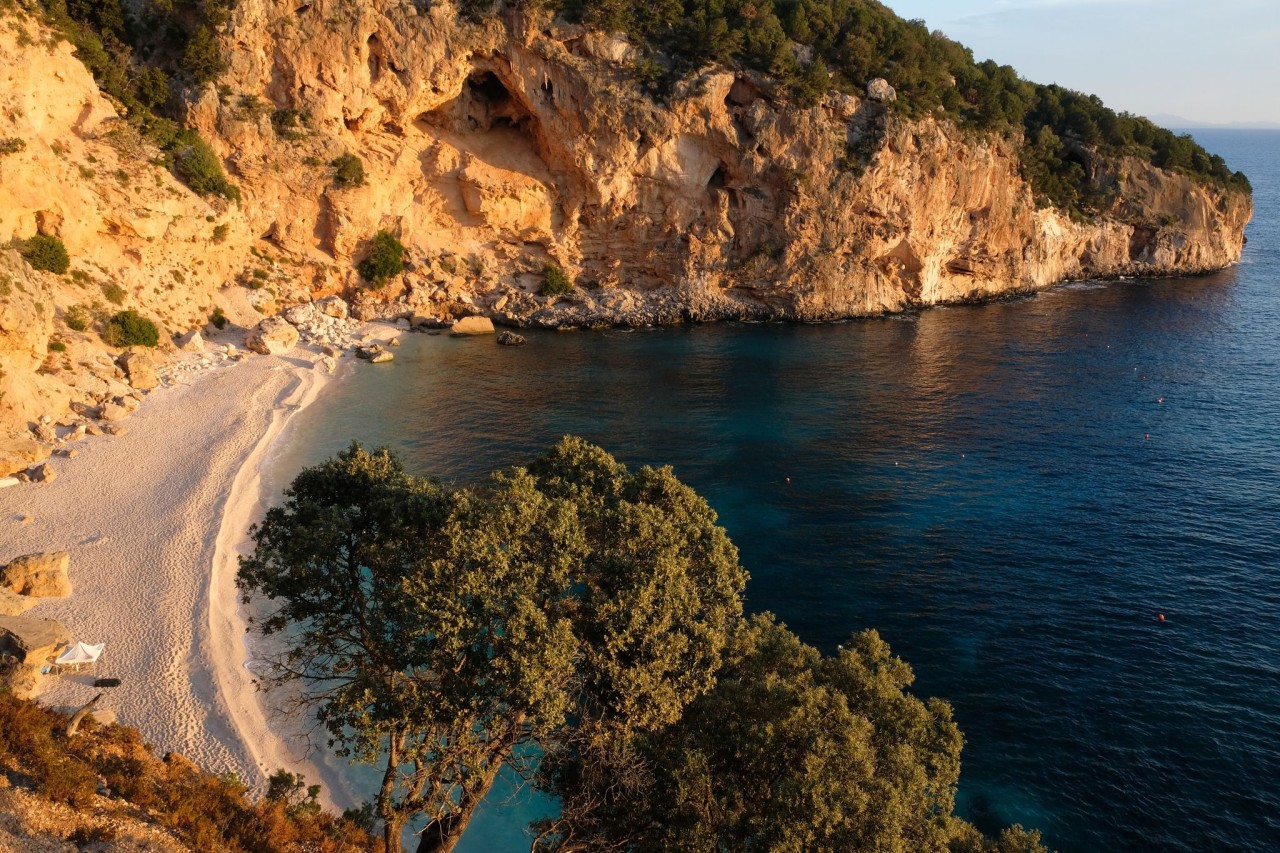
(1180, 123)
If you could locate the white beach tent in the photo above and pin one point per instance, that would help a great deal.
(79, 656)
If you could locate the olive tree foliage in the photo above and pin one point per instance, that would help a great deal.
(433, 631)
(789, 751)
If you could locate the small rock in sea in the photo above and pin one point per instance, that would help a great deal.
(472, 326)
(510, 339)
(394, 342)
(374, 354)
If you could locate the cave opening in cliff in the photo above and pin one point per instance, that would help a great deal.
(487, 120)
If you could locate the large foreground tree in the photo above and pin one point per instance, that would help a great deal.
(434, 632)
(583, 623)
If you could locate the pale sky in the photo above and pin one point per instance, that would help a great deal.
(1206, 60)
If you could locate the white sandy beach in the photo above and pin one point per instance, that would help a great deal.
(154, 521)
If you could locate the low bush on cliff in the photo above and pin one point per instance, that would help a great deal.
(385, 260)
(348, 171)
(204, 811)
(129, 329)
(199, 168)
(47, 253)
(555, 281)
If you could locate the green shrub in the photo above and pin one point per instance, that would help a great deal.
(114, 293)
(78, 318)
(11, 145)
(349, 171)
(153, 87)
(555, 281)
(199, 168)
(129, 328)
(218, 318)
(288, 123)
(57, 346)
(46, 252)
(220, 232)
(202, 59)
(385, 260)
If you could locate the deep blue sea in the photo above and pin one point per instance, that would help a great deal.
(1010, 493)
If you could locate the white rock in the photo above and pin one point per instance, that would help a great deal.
(273, 336)
(473, 326)
(880, 90)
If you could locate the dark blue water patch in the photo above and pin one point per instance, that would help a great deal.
(1010, 493)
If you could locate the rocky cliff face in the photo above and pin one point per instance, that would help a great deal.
(493, 150)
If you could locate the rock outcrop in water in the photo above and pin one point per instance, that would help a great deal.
(496, 150)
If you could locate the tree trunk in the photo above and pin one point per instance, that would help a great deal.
(392, 821)
(392, 829)
(443, 834)
(78, 717)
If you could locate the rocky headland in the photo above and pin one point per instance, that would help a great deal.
(496, 151)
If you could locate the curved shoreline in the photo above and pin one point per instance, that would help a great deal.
(225, 623)
(154, 520)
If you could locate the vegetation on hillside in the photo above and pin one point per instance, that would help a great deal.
(583, 623)
(385, 260)
(855, 41)
(140, 54)
(128, 328)
(204, 811)
(45, 252)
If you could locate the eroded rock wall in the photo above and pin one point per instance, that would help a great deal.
(495, 149)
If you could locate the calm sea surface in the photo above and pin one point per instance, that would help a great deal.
(1011, 493)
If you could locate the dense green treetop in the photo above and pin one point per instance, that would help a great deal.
(582, 622)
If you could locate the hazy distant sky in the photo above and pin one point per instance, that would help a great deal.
(1207, 60)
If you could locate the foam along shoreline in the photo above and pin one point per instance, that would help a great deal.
(154, 520)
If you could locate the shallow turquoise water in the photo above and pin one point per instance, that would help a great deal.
(1010, 493)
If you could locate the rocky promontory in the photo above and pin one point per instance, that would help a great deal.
(531, 180)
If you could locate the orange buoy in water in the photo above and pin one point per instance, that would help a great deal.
(1160, 617)
(788, 481)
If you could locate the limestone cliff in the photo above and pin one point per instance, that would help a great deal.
(494, 149)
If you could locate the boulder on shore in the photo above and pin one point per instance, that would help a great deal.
(12, 604)
(473, 326)
(42, 473)
(30, 642)
(273, 336)
(42, 575)
(18, 454)
(333, 306)
(140, 367)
